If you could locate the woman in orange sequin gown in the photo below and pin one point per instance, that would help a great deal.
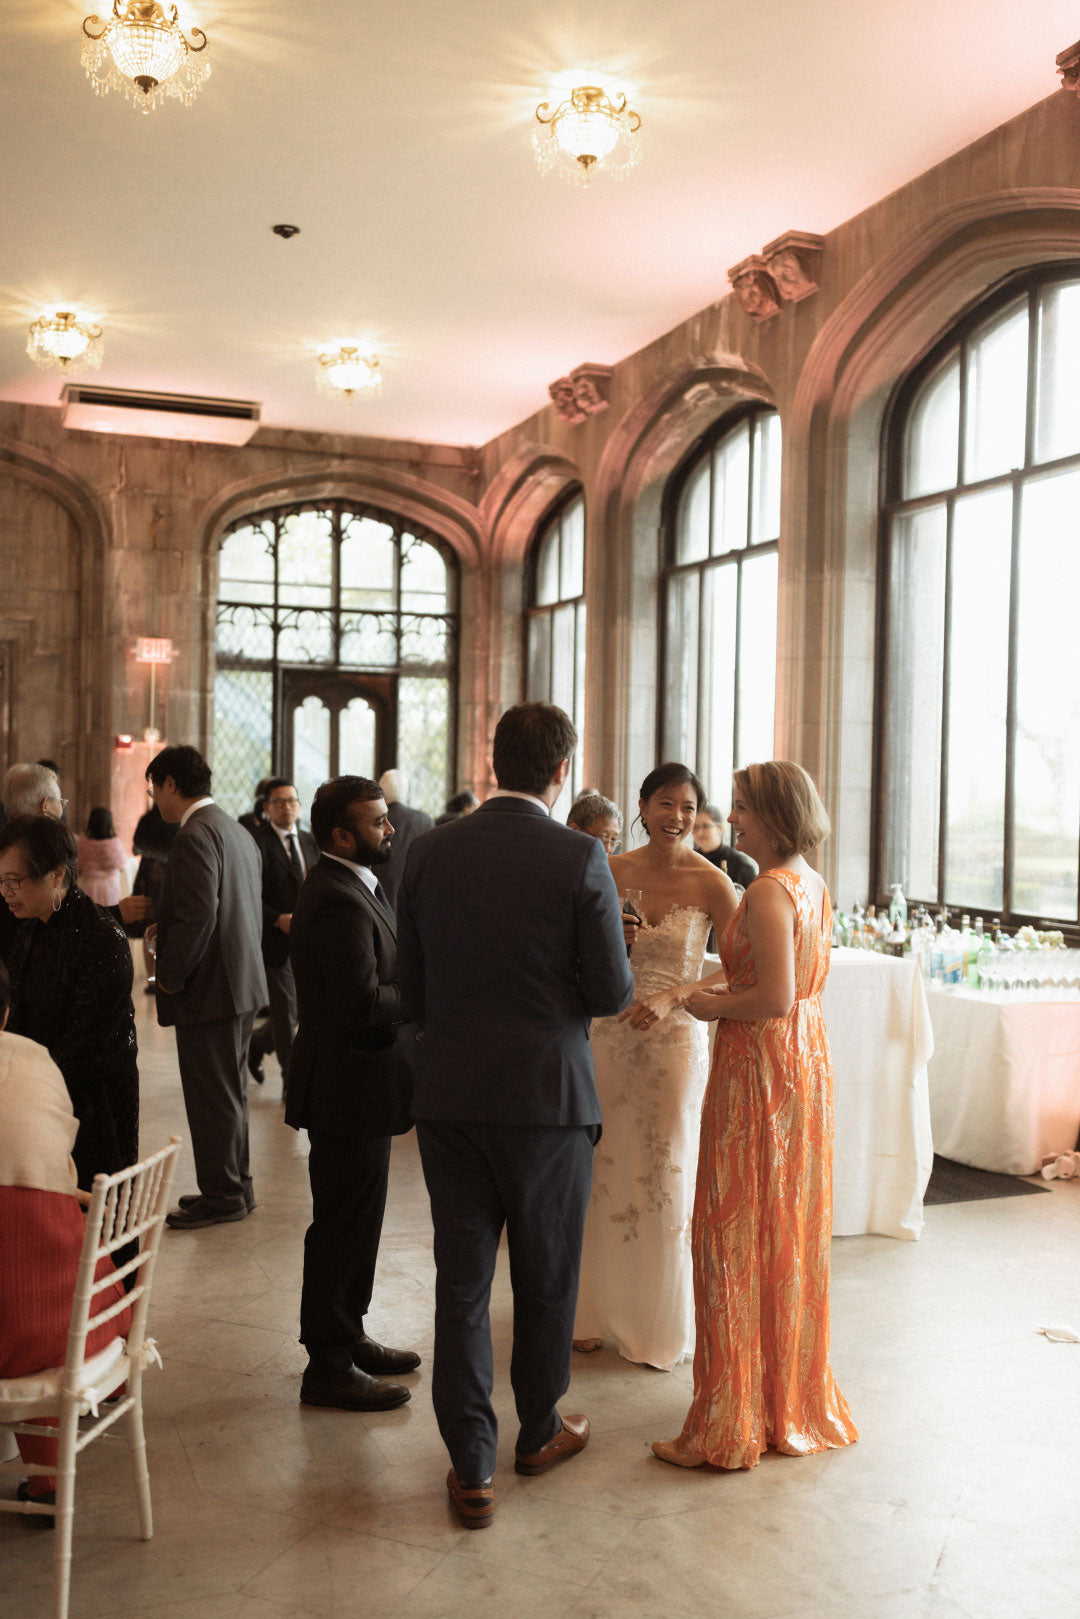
(763, 1209)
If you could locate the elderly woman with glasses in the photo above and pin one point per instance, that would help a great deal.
(71, 975)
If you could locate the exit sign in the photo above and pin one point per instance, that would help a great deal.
(150, 650)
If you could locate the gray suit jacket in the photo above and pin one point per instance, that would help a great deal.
(210, 923)
(408, 823)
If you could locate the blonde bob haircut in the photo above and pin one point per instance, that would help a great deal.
(786, 802)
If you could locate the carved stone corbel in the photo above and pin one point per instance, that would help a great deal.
(794, 262)
(562, 397)
(592, 386)
(1068, 66)
(755, 288)
(583, 393)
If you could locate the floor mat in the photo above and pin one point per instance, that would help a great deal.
(959, 1183)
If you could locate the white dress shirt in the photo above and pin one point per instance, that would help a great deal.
(200, 803)
(365, 873)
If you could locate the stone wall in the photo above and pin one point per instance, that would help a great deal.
(105, 538)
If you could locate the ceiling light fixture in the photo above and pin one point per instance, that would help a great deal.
(64, 342)
(141, 50)
(586, 132)
(345, 372)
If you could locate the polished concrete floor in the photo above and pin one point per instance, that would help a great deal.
(961, 1501)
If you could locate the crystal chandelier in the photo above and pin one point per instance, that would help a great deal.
(345, 372)
(586, 132)
(63, 341)
(142, 51)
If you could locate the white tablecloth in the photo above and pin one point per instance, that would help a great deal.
(1005, 1079)
(881, 1041)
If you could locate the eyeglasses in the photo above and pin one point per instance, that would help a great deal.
(63, 802)
(272, 803)
(11, 885)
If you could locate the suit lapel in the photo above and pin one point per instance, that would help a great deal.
(356, 885)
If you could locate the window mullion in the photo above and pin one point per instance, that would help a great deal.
(1010, 705)
(946, 706)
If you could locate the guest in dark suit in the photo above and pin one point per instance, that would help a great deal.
(288, 854)
(407, 823)
(509, 940)
(210, 979)
(349, 1088)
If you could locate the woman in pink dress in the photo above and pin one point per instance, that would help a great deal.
(101, 858)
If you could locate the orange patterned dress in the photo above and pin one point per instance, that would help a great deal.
(763, 1219)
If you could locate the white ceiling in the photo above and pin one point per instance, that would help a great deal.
(398, 137)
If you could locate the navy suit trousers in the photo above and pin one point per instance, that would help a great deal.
(536, 1182)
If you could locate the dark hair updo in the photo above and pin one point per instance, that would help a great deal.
(45, 843)
(670, 775)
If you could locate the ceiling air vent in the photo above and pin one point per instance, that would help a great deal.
(153, 415)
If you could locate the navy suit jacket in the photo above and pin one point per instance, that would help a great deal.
(509, 941)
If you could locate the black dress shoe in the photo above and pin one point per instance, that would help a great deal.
(379, 1361)
(255, 1067)
(351, 1390)
(188, 1200)
(197, 1215)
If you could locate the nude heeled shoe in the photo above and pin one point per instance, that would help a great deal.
(668, 1451)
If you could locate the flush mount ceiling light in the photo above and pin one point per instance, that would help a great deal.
(346, 372)
(141, 50)
(64, 342)
(586, 132)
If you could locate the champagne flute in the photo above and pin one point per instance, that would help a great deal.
(630, 899)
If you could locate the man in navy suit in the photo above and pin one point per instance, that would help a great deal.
(349, 1088)
(509, 941)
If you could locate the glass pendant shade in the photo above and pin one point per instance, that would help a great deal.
(586, 132)
(64, 342)
(345, 372)
(142, 52)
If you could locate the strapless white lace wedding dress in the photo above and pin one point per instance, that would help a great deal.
(636, 1281)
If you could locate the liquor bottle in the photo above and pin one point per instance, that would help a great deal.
(898, 905)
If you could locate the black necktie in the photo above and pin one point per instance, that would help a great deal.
(294, 857)
(380, 895)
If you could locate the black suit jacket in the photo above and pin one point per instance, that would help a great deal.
(509, 941)
(280, 888)
(354, 1056)
(407, 824)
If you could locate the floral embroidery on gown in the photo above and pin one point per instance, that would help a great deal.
(763, 1219)
(636, 1281)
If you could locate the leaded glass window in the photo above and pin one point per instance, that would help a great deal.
(336, 651)
(979, 719)
(718, 665)
(555, 621)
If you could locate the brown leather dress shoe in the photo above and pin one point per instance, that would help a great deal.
(572, 1437)
(379, 1361)
(473, 1503)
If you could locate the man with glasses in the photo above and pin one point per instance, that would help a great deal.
(287, 853)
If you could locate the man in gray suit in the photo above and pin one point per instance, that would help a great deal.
(509, 941)
(210, 979)
(408, 823)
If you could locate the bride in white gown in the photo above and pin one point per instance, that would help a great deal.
(636, 1286)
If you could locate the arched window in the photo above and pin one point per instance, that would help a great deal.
(718, 659)
(336, 652)
(979, 719)
(555, 620)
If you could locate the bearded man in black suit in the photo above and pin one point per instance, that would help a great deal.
(349, 1087)
(509, 941)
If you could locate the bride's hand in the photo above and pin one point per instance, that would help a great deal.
(652, 1010)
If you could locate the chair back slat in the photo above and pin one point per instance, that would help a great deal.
(128, 1206)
